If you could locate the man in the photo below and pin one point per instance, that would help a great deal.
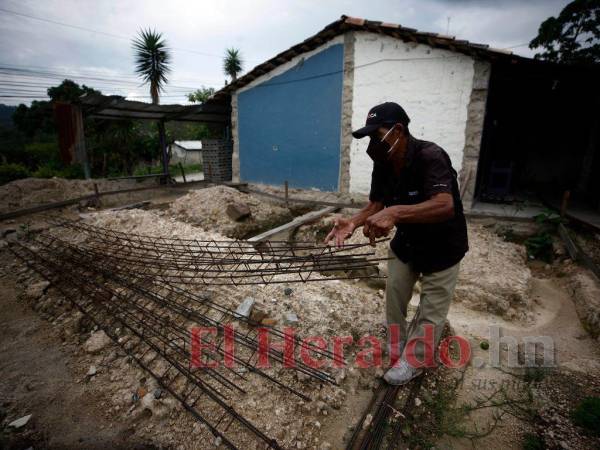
(414, 188)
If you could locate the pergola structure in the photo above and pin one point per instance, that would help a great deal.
(113, 107)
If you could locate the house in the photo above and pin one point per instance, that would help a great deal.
(513, 126)
(186, 152)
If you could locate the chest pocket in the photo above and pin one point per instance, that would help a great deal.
(408, 190)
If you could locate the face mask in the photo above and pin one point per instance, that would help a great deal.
(380, 151)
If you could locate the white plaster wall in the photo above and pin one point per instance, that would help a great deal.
(432, 85)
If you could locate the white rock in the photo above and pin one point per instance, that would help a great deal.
(36, 290)
(245, 308)
(418, 401)
(97, 341)
(290, 318)
(92, 371)
(21, 422)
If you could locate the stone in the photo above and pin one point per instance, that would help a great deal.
(245, 308)
(290, 318)
(92, 371)
(96, 342)
(257, 315)
(418, 401)
(156, 407)
(237, 211)
(288, 291)
(36, 290)
(21, 422)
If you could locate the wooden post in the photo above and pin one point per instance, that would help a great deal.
(97, 194)
(80, 148)
(163, 148)
(182, 172)
(286, 186)
(565, 203)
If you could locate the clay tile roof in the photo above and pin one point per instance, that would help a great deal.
(346, 23)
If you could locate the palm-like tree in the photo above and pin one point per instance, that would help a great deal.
(152, 59)
(232, 63)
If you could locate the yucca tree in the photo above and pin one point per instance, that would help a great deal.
(232, 63)
(152, 59)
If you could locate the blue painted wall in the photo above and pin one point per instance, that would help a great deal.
(289, 126)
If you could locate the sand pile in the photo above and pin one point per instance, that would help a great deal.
(149, 223)
(37, 191)
(494, 276)
(207, 209)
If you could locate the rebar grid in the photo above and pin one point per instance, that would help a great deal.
(141, 284)
(156, 355)
(234, 263)
(201, 310)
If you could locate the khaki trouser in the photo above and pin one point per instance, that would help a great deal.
(437, 289)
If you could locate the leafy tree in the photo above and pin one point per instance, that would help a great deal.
(573, 36)
(201, 95)
(34, 120)
(69, 91)
(152, 59)
(232, 63)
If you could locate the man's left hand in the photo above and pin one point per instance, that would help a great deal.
(379, 225)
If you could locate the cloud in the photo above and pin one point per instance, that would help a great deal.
(199, 32)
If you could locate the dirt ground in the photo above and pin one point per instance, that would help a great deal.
(42, 376)
(44, 367)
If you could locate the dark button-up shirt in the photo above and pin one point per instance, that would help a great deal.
(428, 247)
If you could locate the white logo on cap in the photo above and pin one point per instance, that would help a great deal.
(371, 115)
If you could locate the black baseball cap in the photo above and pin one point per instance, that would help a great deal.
(388, 113)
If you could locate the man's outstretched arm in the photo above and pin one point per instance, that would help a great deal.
(344, 227)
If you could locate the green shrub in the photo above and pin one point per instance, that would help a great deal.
(174, 169)
(539, 246)
(73, 171)
(11, 172)
(587, 414)
(45, 171)
(50, 170)
(532, 441)
(42, 153)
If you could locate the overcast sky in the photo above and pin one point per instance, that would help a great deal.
(199, 31)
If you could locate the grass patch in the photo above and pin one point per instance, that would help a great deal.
(587, 414)
(174, 169)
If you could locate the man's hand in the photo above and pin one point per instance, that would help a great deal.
(341, 231)
(379, 225)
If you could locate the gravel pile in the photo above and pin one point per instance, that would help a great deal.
(206, 208)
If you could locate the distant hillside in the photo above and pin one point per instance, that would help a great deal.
(6, 113)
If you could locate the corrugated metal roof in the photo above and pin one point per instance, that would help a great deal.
(117, 107)
(346, 23)
(189, 145)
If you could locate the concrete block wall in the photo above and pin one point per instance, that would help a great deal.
(216, 155)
